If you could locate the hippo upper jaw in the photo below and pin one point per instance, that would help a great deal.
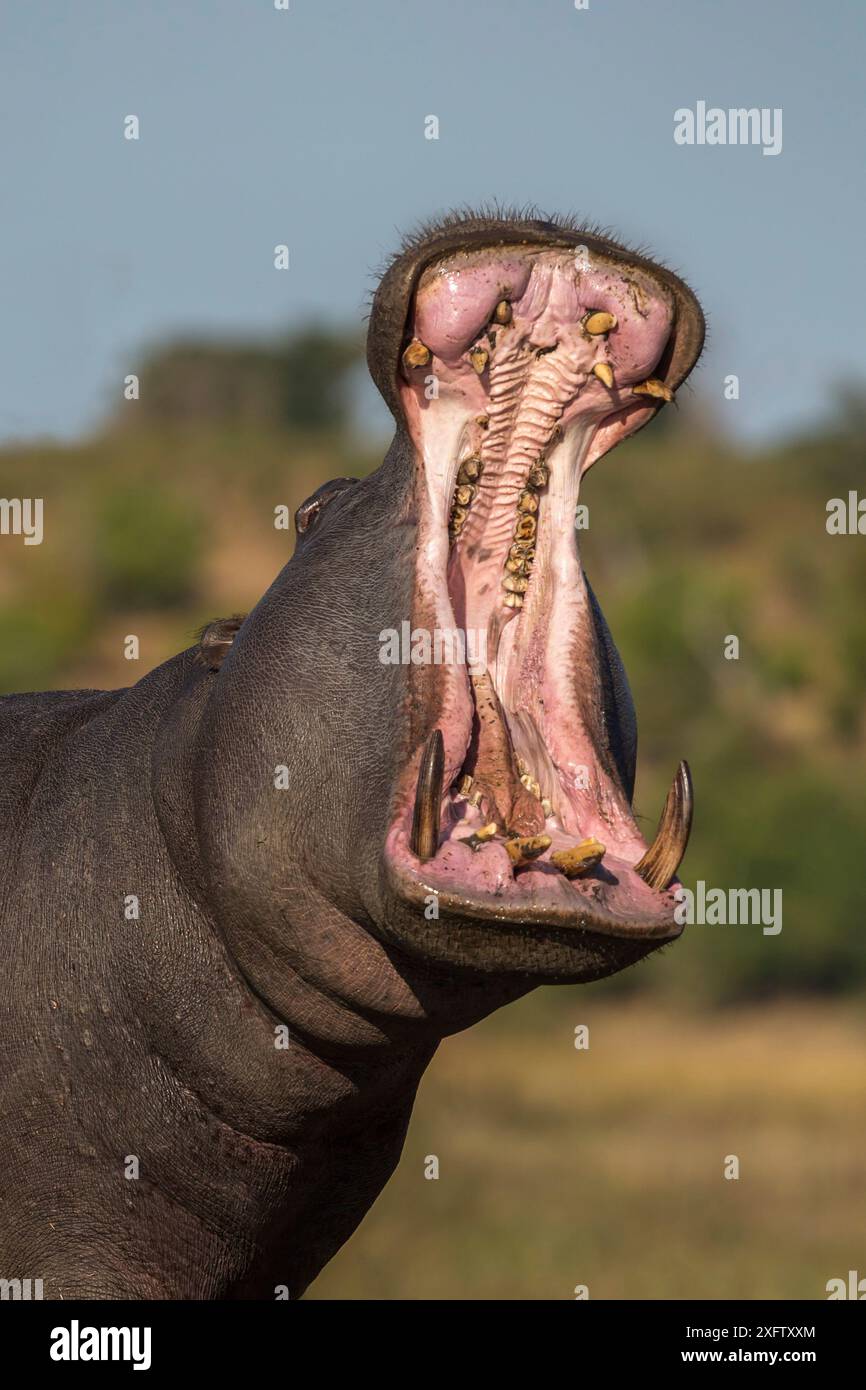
(512, 845)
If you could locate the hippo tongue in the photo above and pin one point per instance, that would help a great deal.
(492, 768)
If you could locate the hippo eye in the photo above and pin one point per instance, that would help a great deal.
(308, 512)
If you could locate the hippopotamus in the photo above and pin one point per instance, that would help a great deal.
(244, 899)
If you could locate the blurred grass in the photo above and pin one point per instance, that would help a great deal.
(605, 1167)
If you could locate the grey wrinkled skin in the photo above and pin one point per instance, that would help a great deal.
(152, 1038)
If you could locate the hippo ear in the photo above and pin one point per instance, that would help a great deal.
(308, 512)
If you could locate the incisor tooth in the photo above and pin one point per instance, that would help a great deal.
(524, 848)
(478, 839)
(653, 387)
(604, 372)
(599, 322)
(478, 357)
(579, 859)
(417, 354)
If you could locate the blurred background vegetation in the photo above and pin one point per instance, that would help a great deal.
(557, 1164)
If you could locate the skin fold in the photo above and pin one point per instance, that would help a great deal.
(196, 873)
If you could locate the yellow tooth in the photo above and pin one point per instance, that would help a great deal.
(464, 495)
(604, 372)
(599, 323)
(487, 831)
(654, 387)
(458, 520)
(502, 313)
(478, 357)
(466, 784)
(579, 859)
(524, 848)
(523, 551)
(513, 600)
(546, 806)
(525, 528)
(417, 354)
(527, 502)
(515, 584)
(470, 469)
(515, 566)
(538, 475)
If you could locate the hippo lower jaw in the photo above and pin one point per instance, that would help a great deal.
(519, 372)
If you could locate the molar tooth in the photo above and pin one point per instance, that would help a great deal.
(522, 849)
(525, 529)
(515, 584)
(513, 600)
(458, 520)
(470, 470)
(464, 495)
(482, 421)
(538, 475)
(478, 357)
(503, 312)
(579, 859)
(604, 372)
(527, 502)
(522, 550)
(417, 354)
(653, 387)
(599, 322)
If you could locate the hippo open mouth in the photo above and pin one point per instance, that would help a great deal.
(521, 364)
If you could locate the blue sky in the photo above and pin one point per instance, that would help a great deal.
(306, 127)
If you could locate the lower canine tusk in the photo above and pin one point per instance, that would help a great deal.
(665, 854)
(428, 798)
